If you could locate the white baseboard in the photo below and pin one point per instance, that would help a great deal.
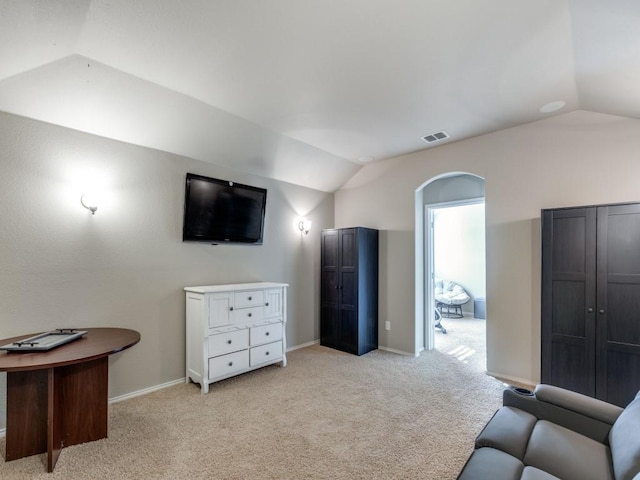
(304, 345)
(509, 378)
(386, 349)
(399, 352)
(144, 391)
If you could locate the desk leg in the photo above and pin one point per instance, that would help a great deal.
(26, 432)
(78, 402)
(54, 408)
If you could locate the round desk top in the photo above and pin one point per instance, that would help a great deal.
(96, 343)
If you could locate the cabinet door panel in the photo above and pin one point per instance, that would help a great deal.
(568, 308)
(329, 268)
(329, 287)
(348, 334)
(618, 339)
(623, 365)
(329, 327)
(348, 289)
(568, 369)
(348, 251)
(623, 325)
(569, 298)
(329, 247)
(273, 303)
(220, 307)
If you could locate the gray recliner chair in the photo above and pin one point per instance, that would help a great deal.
(552, 434)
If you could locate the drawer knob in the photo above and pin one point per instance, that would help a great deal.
(267, 304)
(231, 364)
(229, 342)
(249, 298)
(266, 333)
(231, 309)
(248, 314)
(266, 353)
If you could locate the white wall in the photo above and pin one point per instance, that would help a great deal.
(573, 159)
(127, 265)
(459, 248)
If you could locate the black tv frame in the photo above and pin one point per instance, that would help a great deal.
(213, 238)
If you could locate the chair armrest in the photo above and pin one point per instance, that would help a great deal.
(576, 402)
(585, 415)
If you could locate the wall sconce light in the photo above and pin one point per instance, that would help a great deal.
(304, 226)
(89, 204)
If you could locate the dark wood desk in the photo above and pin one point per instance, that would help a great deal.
(59, 398)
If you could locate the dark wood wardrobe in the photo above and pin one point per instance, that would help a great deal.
(591, 300)
(349, 289)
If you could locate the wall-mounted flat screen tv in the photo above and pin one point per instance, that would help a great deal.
(220, 211)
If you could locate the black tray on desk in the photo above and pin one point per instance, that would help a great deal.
(44, 341)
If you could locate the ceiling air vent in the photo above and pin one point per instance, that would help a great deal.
(435, 137)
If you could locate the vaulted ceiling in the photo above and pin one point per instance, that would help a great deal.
(307, 91)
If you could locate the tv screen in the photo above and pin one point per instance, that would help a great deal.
(222, 211)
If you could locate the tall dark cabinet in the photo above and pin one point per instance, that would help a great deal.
(349, 290)
(591, 300)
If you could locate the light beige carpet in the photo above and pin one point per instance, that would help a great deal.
(327, 415)
(465, 340)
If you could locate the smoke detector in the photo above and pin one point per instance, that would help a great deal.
(435, 137)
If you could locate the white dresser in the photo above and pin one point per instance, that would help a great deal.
(232, 329)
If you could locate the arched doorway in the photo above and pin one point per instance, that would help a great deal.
(444, 190)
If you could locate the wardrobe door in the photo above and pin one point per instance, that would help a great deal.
(618, 317)
(329, 294)
(348, 290)
(568, 299)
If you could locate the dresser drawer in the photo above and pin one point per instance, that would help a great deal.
(229, 364)
(249, 298)
(266, 353)
(266, 333)
(227, 342)
(251, 315)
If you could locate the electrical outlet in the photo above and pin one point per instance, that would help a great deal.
(387, 325)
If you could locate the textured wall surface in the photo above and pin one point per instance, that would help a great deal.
(579, 158)
(126, 265)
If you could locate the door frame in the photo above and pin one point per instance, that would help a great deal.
(429, 226)
(419, 255)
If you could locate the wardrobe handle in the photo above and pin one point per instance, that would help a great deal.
(601, 311)
(589, 310)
